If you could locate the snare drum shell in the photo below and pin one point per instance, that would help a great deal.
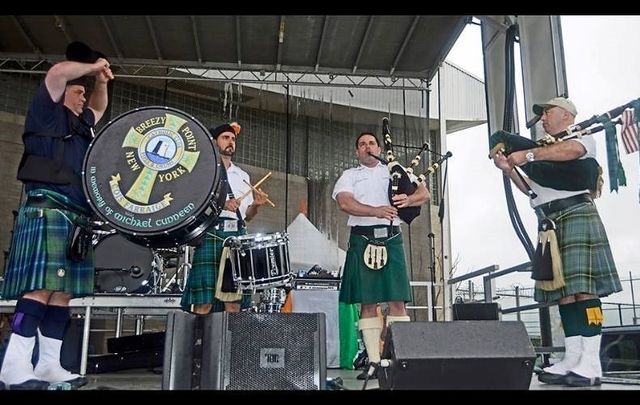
(260, 261)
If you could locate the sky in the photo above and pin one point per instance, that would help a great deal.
(603, 72)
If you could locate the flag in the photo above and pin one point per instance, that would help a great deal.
(629, 131)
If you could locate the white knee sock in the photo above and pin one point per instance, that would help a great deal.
(589, 365)
(371, 328)
(48, 367)
(17, 367)
(572, 352)
(391, 319)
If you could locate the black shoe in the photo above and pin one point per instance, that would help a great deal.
(77, 382)
(576, 380)
(1, 386)
(31, 385)
(550, 378)
(363, 375)
(335, 384)
(361, 360)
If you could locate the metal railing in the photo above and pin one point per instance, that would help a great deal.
(625, 313)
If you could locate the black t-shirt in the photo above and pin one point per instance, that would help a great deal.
(46, 116)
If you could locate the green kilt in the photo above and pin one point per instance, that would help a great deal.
(587, 262)
(38, 256)
(360, 284)
(201, 282)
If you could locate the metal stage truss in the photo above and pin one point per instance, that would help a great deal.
(255, 77)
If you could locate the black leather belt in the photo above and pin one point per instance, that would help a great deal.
(368, 230)
(564, 203)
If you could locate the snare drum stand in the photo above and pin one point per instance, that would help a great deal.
(185, 268)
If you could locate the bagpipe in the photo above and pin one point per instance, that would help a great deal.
(572, 175)
(400, 177)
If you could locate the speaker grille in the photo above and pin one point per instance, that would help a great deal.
(273, 351)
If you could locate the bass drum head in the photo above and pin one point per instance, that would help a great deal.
(154, 174)
(122, 266)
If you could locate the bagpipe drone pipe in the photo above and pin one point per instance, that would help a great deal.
(400, 176)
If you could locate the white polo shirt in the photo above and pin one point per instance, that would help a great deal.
(369, 186)
(237, 177)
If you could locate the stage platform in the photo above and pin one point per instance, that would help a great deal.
(140, 379)
(151, 379)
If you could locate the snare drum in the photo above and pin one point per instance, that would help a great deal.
(260, 261)
(122, 266)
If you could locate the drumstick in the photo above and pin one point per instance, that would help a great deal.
(254, 187)
(262, 180)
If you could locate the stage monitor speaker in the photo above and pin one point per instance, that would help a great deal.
(264, 351)
(476, 311)
(245, 351)
(457, 355)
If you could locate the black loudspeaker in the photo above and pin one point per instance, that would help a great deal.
(245, 351)
(252, 351)
(110, 362)
(457, 355)
(133, 343)
(476, 311)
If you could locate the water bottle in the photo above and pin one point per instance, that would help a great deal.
(60, 386)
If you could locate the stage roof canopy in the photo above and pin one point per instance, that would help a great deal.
(394, 46)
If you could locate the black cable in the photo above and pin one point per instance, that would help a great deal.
(288, 164)
(404, 123)
(508, 125)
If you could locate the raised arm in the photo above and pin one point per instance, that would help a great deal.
(61, 73)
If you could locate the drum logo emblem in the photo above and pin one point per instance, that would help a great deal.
(162, 149)
(273, 264)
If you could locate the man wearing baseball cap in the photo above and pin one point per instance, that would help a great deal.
(586, 270)
(561, 102)
(200, 291)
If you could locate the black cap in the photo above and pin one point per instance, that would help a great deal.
(80, 52)
(233, 127)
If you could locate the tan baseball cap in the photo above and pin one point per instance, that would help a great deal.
(561, 102)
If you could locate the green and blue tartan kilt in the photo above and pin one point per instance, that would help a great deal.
(201, 283)
(38, 256)
(363, 285)
(587, 262)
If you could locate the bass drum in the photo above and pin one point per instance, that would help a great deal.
(122, 266)
(154, 174)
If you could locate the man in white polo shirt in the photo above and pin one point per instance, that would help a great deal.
(375, 270)
(201, 284)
